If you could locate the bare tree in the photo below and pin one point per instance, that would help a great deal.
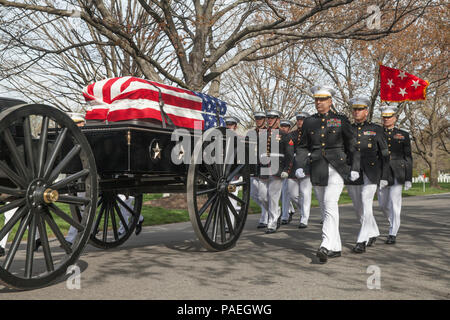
(202, 38)
(280, 82)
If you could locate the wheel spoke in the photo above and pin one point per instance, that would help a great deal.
(114, 224)
(12, 205)
(12, 192)
(99, 217)
(239, 184)
(204, 176)
(64, 182)
(215, 220)
(73, 200)
(233, 210)
(64, 162)
(123, 204)
(16, 242)
(222, 222)
(17, 159)
(105, 222)
(30, 247)
(211, 214)
(199, 193)
(122, 219)
(211, 171)
(14, 177)
(235, 172)
(11, 222)
(45, 244)
(42, 147)
(28, 146)
(229, 223)
(57, 147)
(54, 227)
(206, 205)
(65, 217)
(75, 213)
(237, 198)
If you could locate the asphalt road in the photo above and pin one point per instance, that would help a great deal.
(168, 262)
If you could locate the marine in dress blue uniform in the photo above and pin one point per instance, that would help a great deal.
(372, 144)
(334, 159)
(299, 190)
(257, 188)
(399, 171)
(274, 168)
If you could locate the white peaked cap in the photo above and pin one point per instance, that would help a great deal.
(323, 91)
(388, 111)
(359, 102)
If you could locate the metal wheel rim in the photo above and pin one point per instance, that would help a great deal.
(45, 170)
(108, 204)
(217, 208)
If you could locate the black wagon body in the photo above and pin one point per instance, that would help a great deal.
(57, 179)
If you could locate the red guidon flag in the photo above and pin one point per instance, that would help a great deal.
(397, 85)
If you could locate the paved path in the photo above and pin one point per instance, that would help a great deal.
(167, 262)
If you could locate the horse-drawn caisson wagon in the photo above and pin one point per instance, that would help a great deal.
(55, 175)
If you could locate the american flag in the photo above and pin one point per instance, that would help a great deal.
(209, 106)
(126, 98)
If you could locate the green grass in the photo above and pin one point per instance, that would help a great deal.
(158, 215)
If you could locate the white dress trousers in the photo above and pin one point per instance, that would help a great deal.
(258, 192)
(299, 191)
(362, 198)
(390, 202)
(328, 197)
(273, 186)
(8, 215)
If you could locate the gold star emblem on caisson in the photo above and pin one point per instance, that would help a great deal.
(157, 152)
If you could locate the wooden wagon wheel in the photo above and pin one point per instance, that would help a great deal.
(217, 208)
(32, 142)
(116, 219)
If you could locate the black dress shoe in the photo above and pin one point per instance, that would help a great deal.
(371, 241)
(290, 216)
(284, 221)
(37, 244)
(360, 247)
(321, 221)
(138, 227)
(279, 223)
(261, 225)
(269, 231)
(322, 254)
(302, 226)
(2, 251)
(334, 254)
(390, 240)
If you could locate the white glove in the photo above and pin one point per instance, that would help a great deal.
(299, 173)
(354, 175)
(408, 185)
(284, 175)
(383, 183)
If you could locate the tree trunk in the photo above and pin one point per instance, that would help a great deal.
(434, 173)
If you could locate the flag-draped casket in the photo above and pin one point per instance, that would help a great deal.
(126, 98)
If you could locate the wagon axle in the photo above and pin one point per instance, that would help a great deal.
(38, 194)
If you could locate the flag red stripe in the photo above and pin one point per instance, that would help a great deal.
(153, 95)
(132, 113)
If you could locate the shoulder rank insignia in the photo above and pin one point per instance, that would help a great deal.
(334, 122)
